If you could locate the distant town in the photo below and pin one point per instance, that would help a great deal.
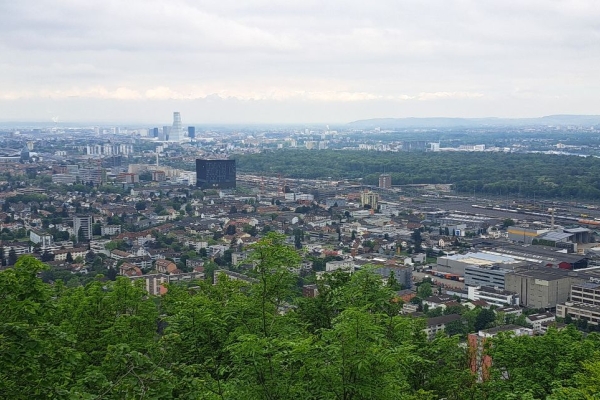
(167, 204)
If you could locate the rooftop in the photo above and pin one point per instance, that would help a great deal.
(503, 328)
(537, 317)
(555, 236)
(490, 289)
(587, 285)
(442, 319)
(544, 273)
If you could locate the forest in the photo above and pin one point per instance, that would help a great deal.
(236, 340)
(528, 175)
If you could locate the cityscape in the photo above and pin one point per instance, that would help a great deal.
(300, 201)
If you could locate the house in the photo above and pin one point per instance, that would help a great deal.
(346, 265)
(536, 320)
(143, 262)
(553, 324)
(438, 301)
(510, 310)
(166, 267)
(409, 308)
(310, 291)
(110, 230)
(129, 270)
(494, 295)
(155, 283)
(438, 324)
(234, 276)
(119, 254)
(61, 255)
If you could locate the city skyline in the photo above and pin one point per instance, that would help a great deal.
(266, 62)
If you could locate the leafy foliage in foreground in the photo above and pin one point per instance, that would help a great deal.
(109, 340)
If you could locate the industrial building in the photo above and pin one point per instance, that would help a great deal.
(479, 275)
(524, 234)
(543, 255)
(215, 174)
(542, 287)
(530, 235)
(457, 263)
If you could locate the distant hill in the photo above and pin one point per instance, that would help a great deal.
(402, 123)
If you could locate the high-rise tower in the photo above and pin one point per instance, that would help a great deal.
(191, 132)
(385, 181)
(176, 134)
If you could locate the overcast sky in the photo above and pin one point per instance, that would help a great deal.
(234, 61)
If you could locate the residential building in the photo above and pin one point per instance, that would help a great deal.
(584, 302)
(165, 267)
(130, 270)
(119, 254)
(155, 283)
(385, 181)
(85, 223)
(438, 324)
(159, 176)
(439, 301)
(346, 265)
(234, 276)
(110, 230)
(42, 238)
(369, 198)
(61, 254)
(537, 320)
(403, 275)
(480, 361)
(510, 310)
(310, 290)
(494, 295)
(64, 179)
(92, 174)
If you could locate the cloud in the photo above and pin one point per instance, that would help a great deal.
(470, 54)
(195, 93)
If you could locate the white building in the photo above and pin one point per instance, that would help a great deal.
(110, 230)
(537, 320)
(85, 223)
(44, 239)
(346, 265)
(493, 295)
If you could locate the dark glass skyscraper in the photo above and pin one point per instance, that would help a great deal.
(215, 174)
(191, 132)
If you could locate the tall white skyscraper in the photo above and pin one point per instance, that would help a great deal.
(176, 134)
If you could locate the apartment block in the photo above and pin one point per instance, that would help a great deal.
(584, 303)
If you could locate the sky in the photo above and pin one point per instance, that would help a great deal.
(262, 61)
